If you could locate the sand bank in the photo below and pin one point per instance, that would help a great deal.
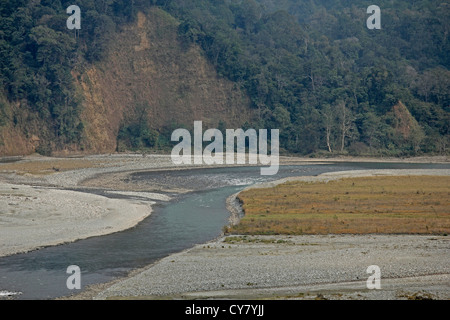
(36, 211)
(298, 267)
(34, 217)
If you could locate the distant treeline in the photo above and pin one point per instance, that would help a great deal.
(316, 72)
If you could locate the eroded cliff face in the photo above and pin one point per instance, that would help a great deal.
(404, 124)
(145, 64)
(19, 129)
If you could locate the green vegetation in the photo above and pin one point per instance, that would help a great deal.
(136, 132)
(314, 70)
(311, 68)
(38, 54)
(35, 64)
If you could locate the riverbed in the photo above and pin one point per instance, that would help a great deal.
(177, 223)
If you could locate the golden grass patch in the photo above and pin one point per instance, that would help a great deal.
(42, 167)
(393, 205)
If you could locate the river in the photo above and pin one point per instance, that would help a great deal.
(188, 219)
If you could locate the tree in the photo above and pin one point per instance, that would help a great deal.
(247, 14)
(346, 120)
(329, 120)
(370, 129)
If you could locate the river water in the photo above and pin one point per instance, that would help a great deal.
(188, 219)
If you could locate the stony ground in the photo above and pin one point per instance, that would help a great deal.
(36, 201)
(40, 204)
(297, 267)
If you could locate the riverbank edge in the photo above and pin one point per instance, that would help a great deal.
(26, 234)
(236, 212)
(287, 160)
(421, 284)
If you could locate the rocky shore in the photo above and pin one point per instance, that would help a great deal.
(299, 267)
(43, 207)
(41, 198)
(33, 217)
(295, 267)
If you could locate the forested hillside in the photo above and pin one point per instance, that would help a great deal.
(38, 53)
(309, 68)
(314, 69)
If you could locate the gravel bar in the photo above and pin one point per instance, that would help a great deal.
(297, 267)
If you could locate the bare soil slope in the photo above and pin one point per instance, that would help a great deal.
(148, 65)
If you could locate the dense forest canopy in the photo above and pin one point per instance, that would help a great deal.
(311, 68)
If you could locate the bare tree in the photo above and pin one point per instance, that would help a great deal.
(329, 117)
(346, 123)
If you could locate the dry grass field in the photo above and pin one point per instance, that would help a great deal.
(383, 205)
(49, 165)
